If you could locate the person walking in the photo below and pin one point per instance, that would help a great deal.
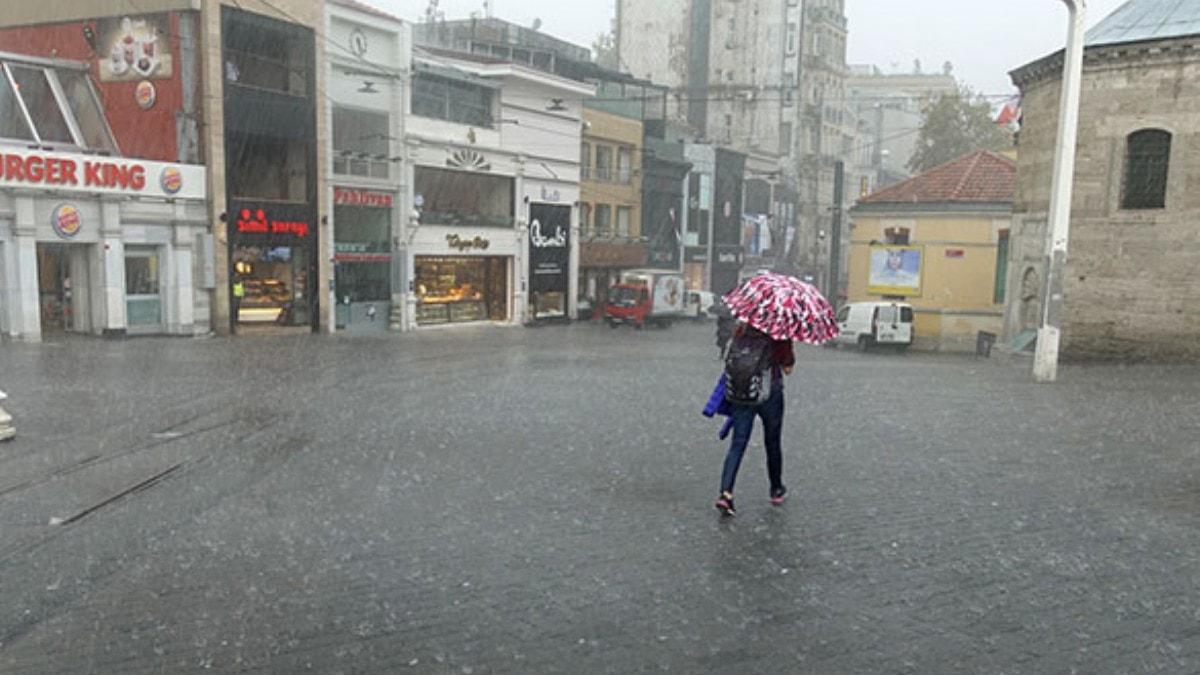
(755, 366)
(772, 311)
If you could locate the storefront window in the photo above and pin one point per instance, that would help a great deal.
(271, 284)
(362, 242)
(360, 143)
(459, 288)
(446, 197)
(42, 104)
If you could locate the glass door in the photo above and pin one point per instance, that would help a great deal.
(143, 290)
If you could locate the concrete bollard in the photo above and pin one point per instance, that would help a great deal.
(7, 430)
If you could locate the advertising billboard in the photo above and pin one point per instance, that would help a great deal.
(895, 270)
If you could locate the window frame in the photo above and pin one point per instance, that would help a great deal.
(447, 104)
(338, 155)
(607, 210)
(606, 173)
(1145, 201)
(49, 69)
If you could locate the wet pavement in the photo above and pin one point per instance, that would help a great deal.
(533, 500)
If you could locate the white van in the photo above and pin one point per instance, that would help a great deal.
(867, 324)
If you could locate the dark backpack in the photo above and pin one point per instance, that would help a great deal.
(746, 365)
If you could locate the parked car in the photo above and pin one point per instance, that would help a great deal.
(701, 305)
(867, 324)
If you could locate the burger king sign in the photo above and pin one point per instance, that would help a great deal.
(66, 221)
(170, 180)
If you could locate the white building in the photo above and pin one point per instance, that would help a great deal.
(369, 58)
(92, 243)
(495, 174)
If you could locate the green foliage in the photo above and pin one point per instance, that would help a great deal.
(956, 124)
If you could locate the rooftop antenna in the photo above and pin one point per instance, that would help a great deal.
(487, 9)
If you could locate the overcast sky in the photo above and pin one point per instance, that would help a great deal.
(983, 42)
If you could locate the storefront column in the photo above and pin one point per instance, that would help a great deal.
(24, 318)
(181, 306)
(112, 270)
(573, 266)
(520, 313)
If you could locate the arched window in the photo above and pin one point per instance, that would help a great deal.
(1147, 154)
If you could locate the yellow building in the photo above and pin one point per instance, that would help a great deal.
(610, 191)
(938, 241)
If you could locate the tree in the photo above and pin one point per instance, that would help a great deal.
(954, 125)
(604, 49)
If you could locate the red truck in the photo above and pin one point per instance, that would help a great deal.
(643, 297)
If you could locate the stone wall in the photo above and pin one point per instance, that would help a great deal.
(1133, 280)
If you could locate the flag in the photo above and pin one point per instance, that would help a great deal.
(1010, 112)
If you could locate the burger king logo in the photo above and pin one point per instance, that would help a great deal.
(145, 94)
(65, 220)
(171, 180)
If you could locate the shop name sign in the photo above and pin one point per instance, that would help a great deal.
(64, 171)
(352, 197)
(257, 221)
(462, 243)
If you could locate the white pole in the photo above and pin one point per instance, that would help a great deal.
(1045, 361)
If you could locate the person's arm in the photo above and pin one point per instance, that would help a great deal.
(785, 356)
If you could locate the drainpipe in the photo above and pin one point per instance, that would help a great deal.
(1045, 361)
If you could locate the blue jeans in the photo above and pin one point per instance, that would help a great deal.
(771, 412)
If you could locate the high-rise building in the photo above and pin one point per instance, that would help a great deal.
(764, 78)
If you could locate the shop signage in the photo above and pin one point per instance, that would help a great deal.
(550, 195)
(353, 197)
(258, 221)
(362, 257)
(66, 221)
(133, 48)
(462, 244)
(549, 248)
(170, 180)
(65, 171)
(695, 254)
(729, 256)
(954, 253)
(145, 94)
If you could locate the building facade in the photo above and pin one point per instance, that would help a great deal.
(103, 202)
(732, 69)
(495, 163)
(940, 242)
(369, 57)
(827, 136)
(200, 83)
(1131, 289)
(610, 190)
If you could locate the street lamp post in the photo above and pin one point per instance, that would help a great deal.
(1045, 361)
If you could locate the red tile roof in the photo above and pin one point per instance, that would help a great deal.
(980, 177)
(366, 9)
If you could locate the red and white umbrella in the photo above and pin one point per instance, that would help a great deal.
(784, 308)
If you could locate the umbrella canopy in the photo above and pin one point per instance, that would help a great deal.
(784, 308)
